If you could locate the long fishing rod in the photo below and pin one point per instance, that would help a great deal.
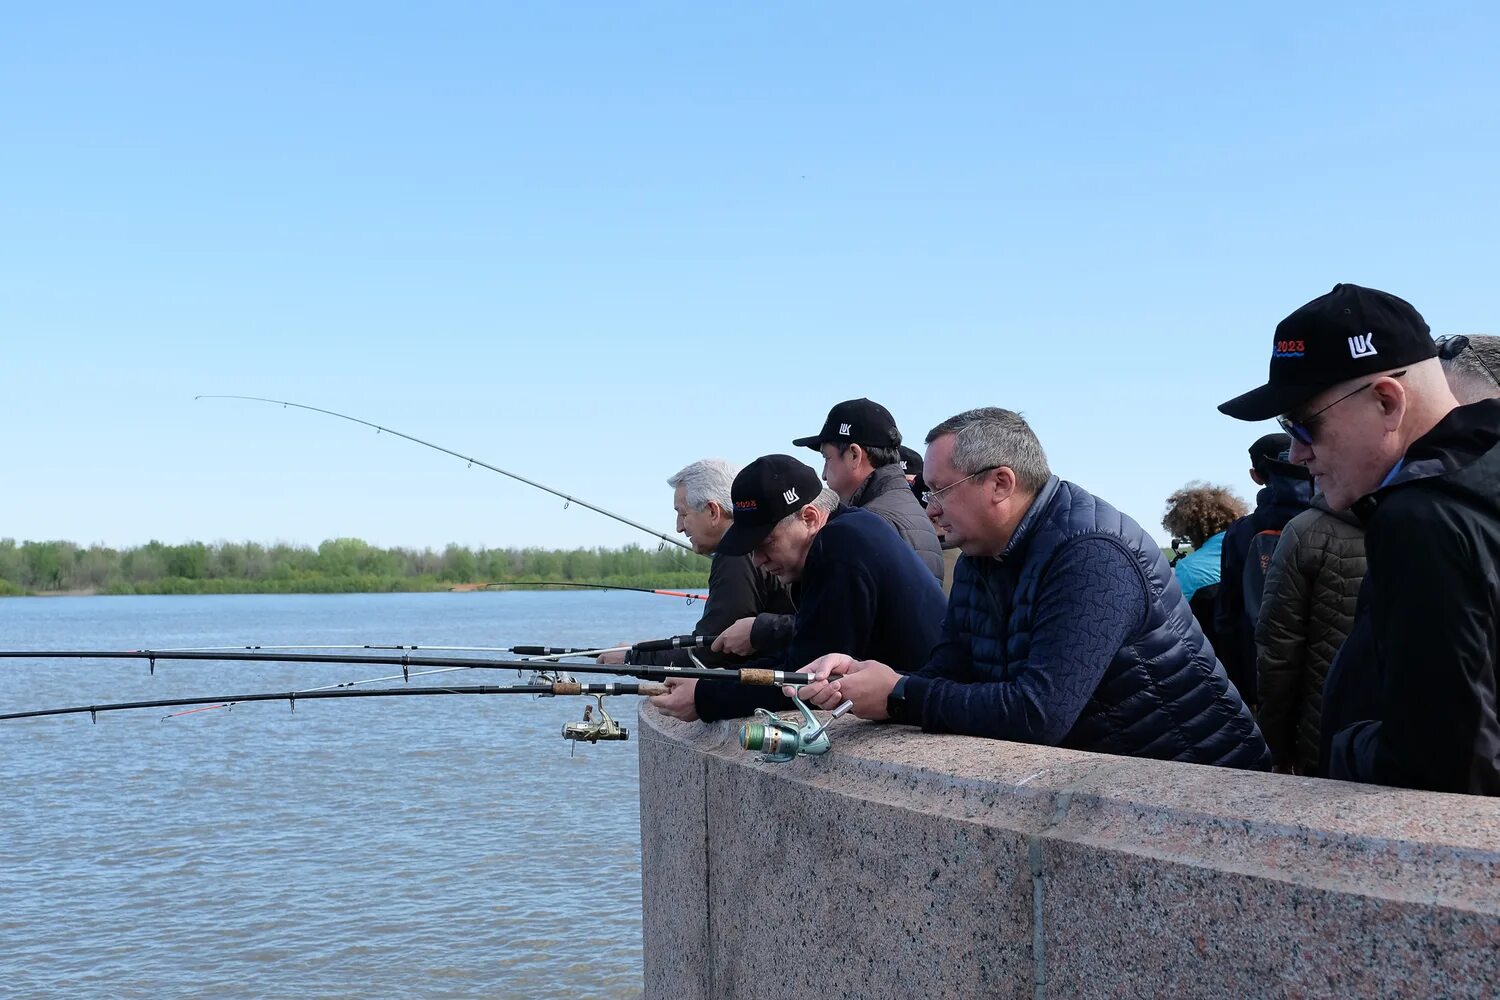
(472, 461)
(553, 654)
(539, 677)
(540, 652)
(556, 688)
(742, 675)
(594, 586)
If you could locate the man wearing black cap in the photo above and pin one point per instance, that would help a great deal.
(861, 453)
(1286, 491)
(857, 586)
(1411, 699)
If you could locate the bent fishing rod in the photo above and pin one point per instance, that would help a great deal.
(741, 675)
(472, 462)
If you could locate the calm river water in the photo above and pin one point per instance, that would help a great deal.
(433, 847)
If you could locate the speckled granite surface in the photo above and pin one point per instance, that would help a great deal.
(902, 864)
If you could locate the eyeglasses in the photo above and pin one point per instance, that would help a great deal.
(1452, 345)
(1304, 429)
(932, 495)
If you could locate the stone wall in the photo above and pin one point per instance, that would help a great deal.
(907, 865)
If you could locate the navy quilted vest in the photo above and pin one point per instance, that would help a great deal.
(1164, 695)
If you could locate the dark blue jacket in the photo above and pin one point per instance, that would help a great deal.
(863, 592)
(1077, 635)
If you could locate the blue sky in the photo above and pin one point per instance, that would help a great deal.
(592, 243)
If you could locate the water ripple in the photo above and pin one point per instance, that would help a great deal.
(421, 847)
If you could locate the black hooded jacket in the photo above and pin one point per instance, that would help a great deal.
(1411, 700)
(1285, 495)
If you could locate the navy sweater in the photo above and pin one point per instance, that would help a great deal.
(863, 592)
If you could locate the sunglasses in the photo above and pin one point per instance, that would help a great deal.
(1452, 345)
(1304, 429)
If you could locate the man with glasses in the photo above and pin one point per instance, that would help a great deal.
(1065, 625)
(1355, 379)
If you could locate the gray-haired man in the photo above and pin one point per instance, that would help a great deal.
(1064, 627)
(736, 588)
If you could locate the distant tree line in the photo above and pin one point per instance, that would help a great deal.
(337, 565)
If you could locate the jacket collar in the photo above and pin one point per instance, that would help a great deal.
(1466, 436)
(883, 480)
(1030, 519)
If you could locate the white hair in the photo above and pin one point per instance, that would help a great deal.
(827, 501)
(704, 480)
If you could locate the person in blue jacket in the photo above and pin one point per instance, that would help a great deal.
(1065, 626)
(856, 584)
(1200, 513)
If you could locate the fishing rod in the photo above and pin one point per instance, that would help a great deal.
(553, 653)
(539, 652)
(595, 586)
(472, 462)
(741, 675)
(537, 677)
(555, 688)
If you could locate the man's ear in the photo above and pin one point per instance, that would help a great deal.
(714, 510)
(1391, 395)
(1256, 477)
(1004, 479)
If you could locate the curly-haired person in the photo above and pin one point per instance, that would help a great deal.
(1200, 513)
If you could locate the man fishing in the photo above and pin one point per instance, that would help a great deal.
(856, 584)
(736, 587)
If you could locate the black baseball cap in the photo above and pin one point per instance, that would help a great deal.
(911, 465)
(1349, 332)
(911, 462)
(764, 492)
(1270, 455)
(855, 421)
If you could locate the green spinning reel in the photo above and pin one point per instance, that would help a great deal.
(780, 741)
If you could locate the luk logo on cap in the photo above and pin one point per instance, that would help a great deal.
(790, 496)
(1362, 347)
(844, 430)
